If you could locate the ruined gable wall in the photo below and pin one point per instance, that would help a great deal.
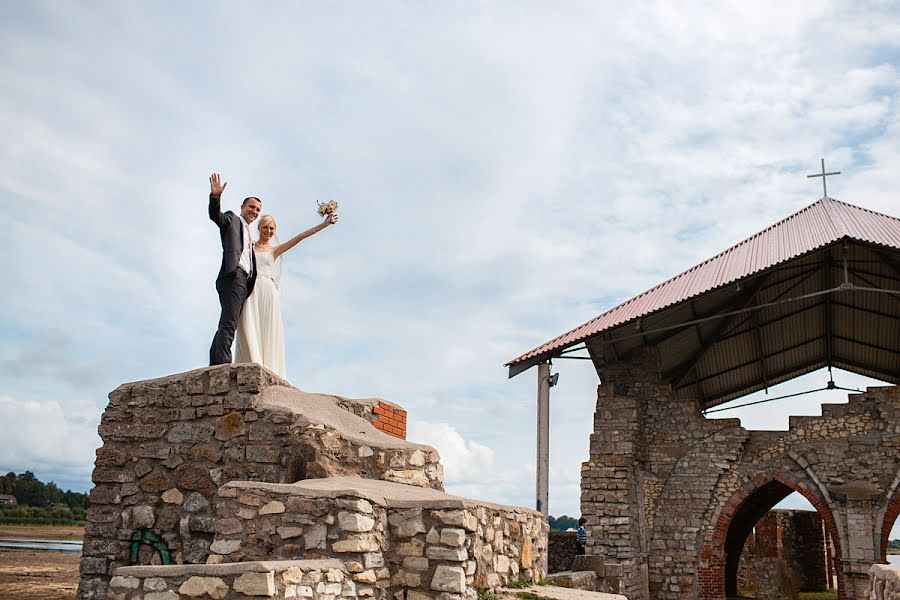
(663, 482)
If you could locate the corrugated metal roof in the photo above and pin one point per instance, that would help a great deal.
(819, 224)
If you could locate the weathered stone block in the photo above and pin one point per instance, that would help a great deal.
(449, 579)
(415, 563)
(373, 560)
(355, 522)
(155, 584)
(256, 584)
(225, 546)
(414, 547)
(287, 533)
(367, 576)
(229, 426)
(173, 496)
(453, 537)
(315, 537)
(272, 508)
(112, 475)
(125, 582)
(407, 523)
(196, 586)
(191, 477)
(442, 553)
(189, 431)
(357, 543)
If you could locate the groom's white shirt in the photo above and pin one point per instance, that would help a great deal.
(246, 261)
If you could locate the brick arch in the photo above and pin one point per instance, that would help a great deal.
(711, 572)
(890, 516)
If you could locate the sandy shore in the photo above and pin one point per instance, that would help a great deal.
(32, 575)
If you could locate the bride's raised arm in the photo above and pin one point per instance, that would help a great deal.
(282, 248)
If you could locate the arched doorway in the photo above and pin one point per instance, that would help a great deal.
(719, 577)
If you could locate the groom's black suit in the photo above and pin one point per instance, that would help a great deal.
(233, 283)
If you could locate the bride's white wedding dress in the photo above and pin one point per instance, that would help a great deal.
(260, 333)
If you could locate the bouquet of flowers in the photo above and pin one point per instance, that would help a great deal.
(327, 208)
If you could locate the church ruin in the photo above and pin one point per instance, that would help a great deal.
(671, 496)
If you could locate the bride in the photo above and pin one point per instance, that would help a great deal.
(260, 334)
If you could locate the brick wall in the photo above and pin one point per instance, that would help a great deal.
(390, 419)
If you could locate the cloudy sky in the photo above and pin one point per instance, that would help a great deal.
(506, 170)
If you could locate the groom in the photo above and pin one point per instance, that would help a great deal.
(238, 272)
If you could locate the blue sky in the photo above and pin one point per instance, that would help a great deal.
(505, 170)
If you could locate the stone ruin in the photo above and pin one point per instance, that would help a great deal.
(227, 482)
(671, 496)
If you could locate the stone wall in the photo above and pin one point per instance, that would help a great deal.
(387, 535)
(671, 496)
(302, 579)
(169, 443)
(884, 583)
(561, 550)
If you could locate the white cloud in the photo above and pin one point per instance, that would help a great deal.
(465, 461)
(506, 172)
(56, 442)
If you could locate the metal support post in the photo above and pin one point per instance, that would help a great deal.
(543, 438)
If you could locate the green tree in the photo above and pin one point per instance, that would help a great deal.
(563, 523)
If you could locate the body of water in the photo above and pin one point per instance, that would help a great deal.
(48, 545)
(894, 559)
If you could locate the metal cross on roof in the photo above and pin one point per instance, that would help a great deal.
(822, 175)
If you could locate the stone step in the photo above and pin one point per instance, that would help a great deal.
(576, 580)
(304, 579)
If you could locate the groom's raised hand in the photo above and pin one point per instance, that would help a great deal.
(216, 185)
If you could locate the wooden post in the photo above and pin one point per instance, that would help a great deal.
(543, 438)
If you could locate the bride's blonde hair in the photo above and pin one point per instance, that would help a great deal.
(265, 219)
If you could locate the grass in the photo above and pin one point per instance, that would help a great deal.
(519, 583)
(829, 595)
(532, 596)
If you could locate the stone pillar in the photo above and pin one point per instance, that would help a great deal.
(611, 488)
(861, 552)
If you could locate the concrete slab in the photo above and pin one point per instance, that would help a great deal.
(383, 493)
(323, 409)
(559, 593)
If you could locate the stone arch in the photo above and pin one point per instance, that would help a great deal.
(717, 571)
(891, 511)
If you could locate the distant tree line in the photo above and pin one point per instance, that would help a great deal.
(563, 523)
(894, 545)
(40, 503)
